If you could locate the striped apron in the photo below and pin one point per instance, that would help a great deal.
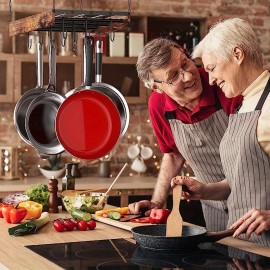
(246, 167)
(199, 144)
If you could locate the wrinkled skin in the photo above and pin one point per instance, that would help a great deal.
(254, 221)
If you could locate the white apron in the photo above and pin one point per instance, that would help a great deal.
(246, 166)
(199, 144)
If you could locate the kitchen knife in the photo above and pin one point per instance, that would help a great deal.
(129, 217)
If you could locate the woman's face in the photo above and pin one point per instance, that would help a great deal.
(226, 74)
(181, 80)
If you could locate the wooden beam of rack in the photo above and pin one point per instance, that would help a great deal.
(71, 21)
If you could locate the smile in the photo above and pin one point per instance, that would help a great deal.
(220, 85)
(190, 86)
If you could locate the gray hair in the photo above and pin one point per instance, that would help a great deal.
(155, 55)
(224, 36)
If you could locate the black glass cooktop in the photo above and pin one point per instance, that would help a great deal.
(122, 254)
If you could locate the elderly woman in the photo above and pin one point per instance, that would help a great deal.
(232, 57)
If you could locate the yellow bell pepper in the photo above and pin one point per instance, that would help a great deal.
(34, 209)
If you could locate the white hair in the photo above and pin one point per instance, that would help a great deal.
(225, 35)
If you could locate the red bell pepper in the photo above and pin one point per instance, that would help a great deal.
(14, 214)
(1, 207)
(6, 212)
(158, 216)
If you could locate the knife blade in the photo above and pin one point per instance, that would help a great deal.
(132, 216)
(129, 217)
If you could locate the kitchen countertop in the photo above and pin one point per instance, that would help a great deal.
(125, 182)
(15, 256)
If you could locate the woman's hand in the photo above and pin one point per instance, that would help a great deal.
(255, 221)
(192, 189)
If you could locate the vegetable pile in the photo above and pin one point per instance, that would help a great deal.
(39, 193)
(29, 227)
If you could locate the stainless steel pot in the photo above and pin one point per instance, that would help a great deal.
(42, 111)
(23, 104)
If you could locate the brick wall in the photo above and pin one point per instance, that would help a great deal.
(257, 12)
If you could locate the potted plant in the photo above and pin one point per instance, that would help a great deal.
(54, 168)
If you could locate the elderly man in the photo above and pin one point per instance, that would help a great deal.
(189, 118)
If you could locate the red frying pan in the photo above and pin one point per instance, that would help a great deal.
(88, 122)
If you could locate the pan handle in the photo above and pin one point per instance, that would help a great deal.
(39, 64)
(52, 66)
(215, 236)
(87, 60)
(99, 51)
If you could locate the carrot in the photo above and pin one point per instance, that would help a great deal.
(121, 210)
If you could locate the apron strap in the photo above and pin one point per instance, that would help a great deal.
(218, 105)
(170, 115)
(263, 97)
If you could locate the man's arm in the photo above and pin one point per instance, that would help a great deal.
(170, 167)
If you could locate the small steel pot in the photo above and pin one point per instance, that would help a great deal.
(24, 102)
(41, 113)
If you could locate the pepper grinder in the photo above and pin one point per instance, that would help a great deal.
(53, 199)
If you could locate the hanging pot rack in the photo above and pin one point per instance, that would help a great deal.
(102, 22)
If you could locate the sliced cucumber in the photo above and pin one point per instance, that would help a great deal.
(81, 215)
(114, 215)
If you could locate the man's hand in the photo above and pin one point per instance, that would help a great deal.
(255, 221)
(135, 208)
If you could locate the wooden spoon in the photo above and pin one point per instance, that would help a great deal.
(110, 187)
(175, 222)
(70, 192)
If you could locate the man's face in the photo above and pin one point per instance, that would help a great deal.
(181, 80)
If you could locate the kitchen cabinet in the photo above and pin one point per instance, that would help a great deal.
(117, 71)
(6, 81)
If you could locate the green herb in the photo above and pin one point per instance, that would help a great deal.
(39, 193)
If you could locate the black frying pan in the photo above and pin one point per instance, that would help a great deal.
(153, 238)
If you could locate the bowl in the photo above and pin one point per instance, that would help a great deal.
(88, 202)
(49, 174)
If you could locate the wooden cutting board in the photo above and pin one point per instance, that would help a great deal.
(119, 224)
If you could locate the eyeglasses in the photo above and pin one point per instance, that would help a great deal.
(179, 76)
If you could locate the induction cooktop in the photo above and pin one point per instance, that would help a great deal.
(122, 254)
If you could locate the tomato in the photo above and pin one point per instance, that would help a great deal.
(69, 225)
(58, 226)
(140, 220)
(91, 224)
(158, 216)
(76, 223)
(82, 225)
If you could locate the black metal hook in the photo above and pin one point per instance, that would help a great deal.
(112, 33)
